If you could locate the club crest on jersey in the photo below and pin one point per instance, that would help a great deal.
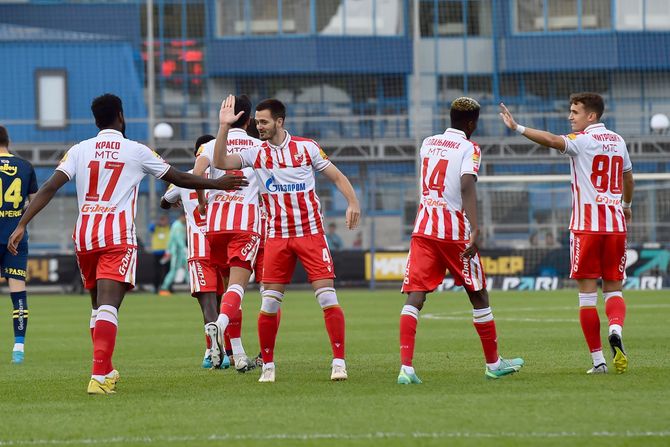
(298, 157)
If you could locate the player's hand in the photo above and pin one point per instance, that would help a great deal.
(202, 209)
(15, 238)
(227, 114)
(507, 117)
(628, 214)
(471, 249)
(353, 216)
(232, 181)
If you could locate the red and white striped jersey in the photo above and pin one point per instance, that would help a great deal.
(598, 159)
(196, 224)
(108, 171)
(288, 185)
(444, 159)
(233, 211)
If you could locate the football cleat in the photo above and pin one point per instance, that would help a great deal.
(505, 368)
(95, 387)
(258, 360)
(338, 373)
(268, 375)
(244, 364)
(114, 376)
(207, 362)
(598, 369)
(620, 358)
(405, 378)
(216, 351)
(225, 363)
(17, 357)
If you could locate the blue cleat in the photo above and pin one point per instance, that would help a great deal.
(225, 363)
(17, 357)
(506, 367)
(405, 378)
(207, 362)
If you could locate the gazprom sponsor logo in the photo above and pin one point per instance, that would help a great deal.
(272, 186)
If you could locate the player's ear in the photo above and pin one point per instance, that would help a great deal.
(280, 122)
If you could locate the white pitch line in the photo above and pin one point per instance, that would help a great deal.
(499, 318)
(336, 436)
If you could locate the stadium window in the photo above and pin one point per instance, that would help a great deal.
(657, 15)
(446, 18)
(51, 98)
(562, 15)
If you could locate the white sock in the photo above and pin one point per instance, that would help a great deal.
(236, 344)
(268, 365)
(407, 369)
(222, 322)
(110, 374)
(100, 379)
(615, 329)
(598, 358)
(207, 352)
(18, 347)
(494, 366)
(339, 362)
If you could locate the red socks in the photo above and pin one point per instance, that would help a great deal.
(489, 339)
(615, 308)
(104, 340)
(267, 335)
(408, 321)
(590, 321)
(334, 318)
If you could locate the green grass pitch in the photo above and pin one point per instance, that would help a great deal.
(165, 398)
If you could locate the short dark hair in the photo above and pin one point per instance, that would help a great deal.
(106, 108)
(202, 139)
(462, 110)
(4, 137)
(252, 129)
(592, 102)
(242, 104)
(275, 106)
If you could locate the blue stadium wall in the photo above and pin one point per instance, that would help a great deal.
(92, 69)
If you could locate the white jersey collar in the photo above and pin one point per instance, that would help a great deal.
(110, 132)
(456, 131)
(283, 143)
(594, 126)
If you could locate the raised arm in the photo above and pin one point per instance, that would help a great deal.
(353, 214)
(627, 197)
(542, 137)
(469, 195)
(227, 116)
(39, 201)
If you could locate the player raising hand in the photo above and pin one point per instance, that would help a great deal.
(108, 170)
(602, 193)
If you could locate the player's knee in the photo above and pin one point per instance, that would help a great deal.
(588, 299)
(326, 297)
(271, 301)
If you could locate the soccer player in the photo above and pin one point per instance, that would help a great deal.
(286, 166)
(602, 193)
(18, 185)
(108, 170)
(445, 237)
(205, 279)
(176, 250)
(234, 234)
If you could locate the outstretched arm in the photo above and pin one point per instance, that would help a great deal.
(227, 117)
(342, 183)
(542, 137)
(190, 181)
(469, 195)
(39, 201)
(201, 165)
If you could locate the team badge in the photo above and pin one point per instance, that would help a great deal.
(298, 157)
